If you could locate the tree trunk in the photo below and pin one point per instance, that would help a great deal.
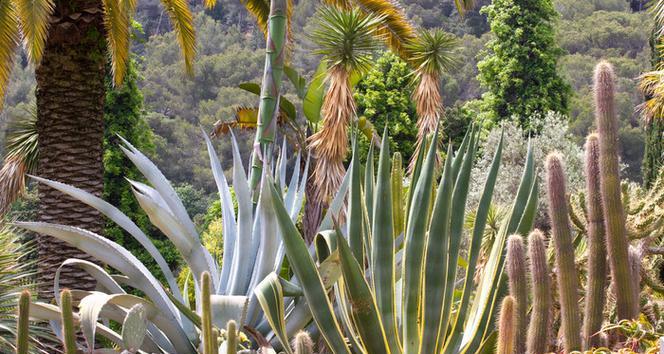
(70, 110)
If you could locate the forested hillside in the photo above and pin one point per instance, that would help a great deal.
(230, 52)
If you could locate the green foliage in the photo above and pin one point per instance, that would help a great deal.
(653, 157)
(519, 68)
(195, 201)
(384, 97)
(124, 117)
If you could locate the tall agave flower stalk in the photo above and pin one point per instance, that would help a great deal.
(431, 53)
(346, 39)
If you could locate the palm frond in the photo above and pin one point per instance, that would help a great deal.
(652, 86)
(117, 18)
(9, 39)
(34, 18)
(395, 28)
(183, 24)
(244, 118)
(260, 9)
(20, 159)
(347, 38)
(464, 5)
(432, 52)
(657, 10)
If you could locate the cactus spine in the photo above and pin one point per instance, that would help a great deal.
(568, 283)
(23, 328)
(209, 340)
(538, 331)
(595, 291)
(607, 124)
(68, 332)
(302, 343)
(516, 272)
(231, 337)
(506, 327)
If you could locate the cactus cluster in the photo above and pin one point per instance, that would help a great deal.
(603, 221)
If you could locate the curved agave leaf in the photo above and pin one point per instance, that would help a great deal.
(102, 278)
(228, 307)
(363, 304)
(475, 245)
(337, 203)
(92, 304)
(269, 243)
(192, 251)
(269, 293)
(413, 251)
(314, 290)
(166, 191)
(47, 312)
(488, 291)
(227, 217)
(245, 245)
(437, 261)
(119, 258)
(121, 220)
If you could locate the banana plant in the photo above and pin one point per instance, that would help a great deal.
(251, 242)
(399, 294)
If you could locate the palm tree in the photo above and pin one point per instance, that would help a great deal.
(430, 54)
(69, 42)
(346, 39)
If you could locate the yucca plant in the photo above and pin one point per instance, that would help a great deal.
(431, 53)
(251, 242)
(347, 40)
(403, 301)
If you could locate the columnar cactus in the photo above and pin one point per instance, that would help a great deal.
(302, 344)
(635, 266)
(209, 340)
(506, 327)
(68, 331)
(231, 337)
(23, 328)
(596, 286)
(568, 283)
(607, 125)
(538, 330)
(516, 272)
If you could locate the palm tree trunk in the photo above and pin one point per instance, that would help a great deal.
(70, 102)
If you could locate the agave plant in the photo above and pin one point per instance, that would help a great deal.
(251, 242)
(404, 301)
